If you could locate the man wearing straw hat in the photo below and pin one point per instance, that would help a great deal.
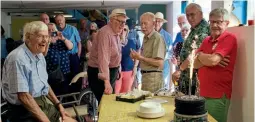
(168, 41)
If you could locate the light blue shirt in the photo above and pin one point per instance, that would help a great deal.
(24, 72)
(72, 34)
(168, 41)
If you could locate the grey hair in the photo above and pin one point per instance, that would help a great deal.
(33, 28)
(95, 24)
(220, 12)
(149, 14)
(62, 15)
(186, 26)
(181, 15)
(54, 26)
(198, 7)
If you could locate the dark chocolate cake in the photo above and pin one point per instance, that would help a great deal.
(190, 105)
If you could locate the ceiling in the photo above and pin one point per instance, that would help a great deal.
(22, 6)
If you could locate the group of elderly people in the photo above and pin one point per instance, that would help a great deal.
(30, 98)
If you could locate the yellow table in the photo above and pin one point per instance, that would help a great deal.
(111, 110)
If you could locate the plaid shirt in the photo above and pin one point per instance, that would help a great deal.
(24, 72)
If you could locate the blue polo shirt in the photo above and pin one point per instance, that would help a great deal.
(127, 64)
(72, 34)
(168, 41)
(178, 38)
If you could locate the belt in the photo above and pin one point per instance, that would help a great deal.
(143, 71)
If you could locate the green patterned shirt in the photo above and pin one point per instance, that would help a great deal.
(202, 31)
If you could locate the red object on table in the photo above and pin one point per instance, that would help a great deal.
(250, 22)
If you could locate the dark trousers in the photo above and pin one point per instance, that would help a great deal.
(61, 88)
(97, 85)
(18, 113)
(75, 69)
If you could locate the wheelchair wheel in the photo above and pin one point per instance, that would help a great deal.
(87, 97)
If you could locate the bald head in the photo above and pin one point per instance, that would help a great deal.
(45, 18)
(194, 14)
(182, 20)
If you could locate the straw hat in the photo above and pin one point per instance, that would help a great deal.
(118, 12)
(159, 15)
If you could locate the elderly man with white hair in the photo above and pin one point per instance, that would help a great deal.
(181, 21)
(105, 56)
(199, 30)
(216, 60)
(185, 30)
(152, 54)
(168, 41)
(24, 82)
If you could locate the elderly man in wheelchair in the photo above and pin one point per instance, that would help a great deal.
(24, 80)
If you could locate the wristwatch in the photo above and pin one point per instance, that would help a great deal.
(57, 104)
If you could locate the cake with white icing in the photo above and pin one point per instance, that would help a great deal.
(150, 107)
(150, 110)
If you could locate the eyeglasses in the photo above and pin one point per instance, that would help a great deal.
(121, 22)
(218, 22)
(159, 21)
(181, 23)
(40, 37)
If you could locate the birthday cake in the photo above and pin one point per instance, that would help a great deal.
(190, 108)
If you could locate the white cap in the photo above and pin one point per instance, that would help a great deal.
(118, 12)
(160, 15)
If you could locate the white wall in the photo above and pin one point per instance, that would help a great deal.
(6, 23)
(242, 102)
(173, 9)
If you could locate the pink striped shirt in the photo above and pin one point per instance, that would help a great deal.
(105, 52)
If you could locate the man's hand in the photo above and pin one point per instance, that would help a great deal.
(61, 36)
(107, 87)
(135, 55)
(134, 71)
(185, 64)
(176, 75)
(69, 119)
(63, 113)
(174, 60)
(224, 62)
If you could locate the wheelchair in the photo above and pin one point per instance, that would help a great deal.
(84, 103)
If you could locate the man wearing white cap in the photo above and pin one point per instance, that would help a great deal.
(105, 55)
(168, 41)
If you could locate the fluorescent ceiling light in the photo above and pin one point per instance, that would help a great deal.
(58, 12)
(66, 15)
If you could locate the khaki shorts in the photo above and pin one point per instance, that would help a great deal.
(152, 81)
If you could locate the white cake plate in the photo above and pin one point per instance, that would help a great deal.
(150, 115)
